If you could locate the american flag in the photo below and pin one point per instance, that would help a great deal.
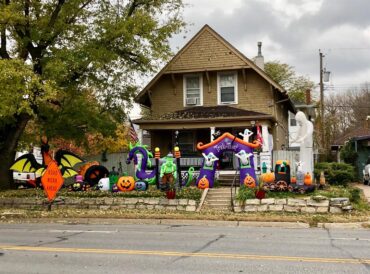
(259, 134)
(133, 136)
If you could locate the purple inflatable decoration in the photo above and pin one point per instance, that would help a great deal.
(227, 142)
(140, 173)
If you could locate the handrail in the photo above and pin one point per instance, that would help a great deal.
(233, 186)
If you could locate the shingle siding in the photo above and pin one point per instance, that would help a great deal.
(257, 97)
(205, 52)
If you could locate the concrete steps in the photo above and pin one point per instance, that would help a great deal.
(218, 199)
(226, 180)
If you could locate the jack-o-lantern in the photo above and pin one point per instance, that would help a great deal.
(268, 177)
(307, 179)
(293, 180)
(249, 181)
(203, 183)
(126, 183)
(141, 186)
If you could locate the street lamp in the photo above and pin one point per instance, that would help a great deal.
(326, 75)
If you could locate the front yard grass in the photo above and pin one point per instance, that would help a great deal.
(70, 215)
(192, 193)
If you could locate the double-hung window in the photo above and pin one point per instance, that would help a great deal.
(193, 90)
(227, 87)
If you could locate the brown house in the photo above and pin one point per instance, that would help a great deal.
(210, 86)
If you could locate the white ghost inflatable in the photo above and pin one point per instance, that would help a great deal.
(304, 138)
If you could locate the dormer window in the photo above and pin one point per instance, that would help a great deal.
(193, 90)
(227, 86)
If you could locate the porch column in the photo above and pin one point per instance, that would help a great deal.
(265, 155)
(140, 135)
(265, 136)
(213, 130)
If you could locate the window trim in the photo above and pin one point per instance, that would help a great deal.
(219, 88)
(200, 76)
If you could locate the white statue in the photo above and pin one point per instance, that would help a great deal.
(304, 138)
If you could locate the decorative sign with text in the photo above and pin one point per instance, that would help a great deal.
(52, 180)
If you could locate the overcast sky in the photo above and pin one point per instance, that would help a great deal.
(292, 31)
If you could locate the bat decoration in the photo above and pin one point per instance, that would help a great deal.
(66, 160)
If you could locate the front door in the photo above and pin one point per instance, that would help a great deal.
(226, 161)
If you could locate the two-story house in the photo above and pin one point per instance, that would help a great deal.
(210, 86)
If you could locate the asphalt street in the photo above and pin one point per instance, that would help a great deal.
(134, 248)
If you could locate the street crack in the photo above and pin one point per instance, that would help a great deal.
(366, 265)
(201, 248)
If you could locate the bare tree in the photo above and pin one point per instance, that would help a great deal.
(345, 112)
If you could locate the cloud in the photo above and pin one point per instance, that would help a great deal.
(292, 31)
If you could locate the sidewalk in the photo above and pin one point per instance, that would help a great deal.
(366, 190)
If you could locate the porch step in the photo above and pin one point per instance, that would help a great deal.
(217, 207)
(218, 200)
(218, 190)
(227, 179)
(218, 196)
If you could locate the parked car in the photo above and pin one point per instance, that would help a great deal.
(27, 178)
(366, 173)
(23, 177)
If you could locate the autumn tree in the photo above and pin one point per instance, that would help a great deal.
(69, 65)
(285, 75)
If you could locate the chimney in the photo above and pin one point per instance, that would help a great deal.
(308, 97)
(259, 60)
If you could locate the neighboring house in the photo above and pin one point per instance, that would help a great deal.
(210, 86)
(360, 141)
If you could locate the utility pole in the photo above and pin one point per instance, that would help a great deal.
(322, 103)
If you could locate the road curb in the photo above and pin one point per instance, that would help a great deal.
(275, 224)
(189, 222)
(342, 225)
(168, 222)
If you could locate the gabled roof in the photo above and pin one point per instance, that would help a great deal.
(356, 134)
(241, 58)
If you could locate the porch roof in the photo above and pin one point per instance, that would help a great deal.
(204, 115)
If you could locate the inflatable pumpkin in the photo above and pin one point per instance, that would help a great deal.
(268, 177)
(293, 180)
(203, 183)
(126, 183)
(307, 179)
(249, 181)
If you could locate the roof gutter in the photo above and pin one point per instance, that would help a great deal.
(223, 119)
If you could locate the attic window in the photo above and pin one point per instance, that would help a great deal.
(193, 90)
(227, 88)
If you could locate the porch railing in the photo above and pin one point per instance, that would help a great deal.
(233, 188)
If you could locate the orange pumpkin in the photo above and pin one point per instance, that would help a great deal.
(307, 179)
(268, 177)
(293, 180)
(203, 183)
(126, 183)
(249, 181)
